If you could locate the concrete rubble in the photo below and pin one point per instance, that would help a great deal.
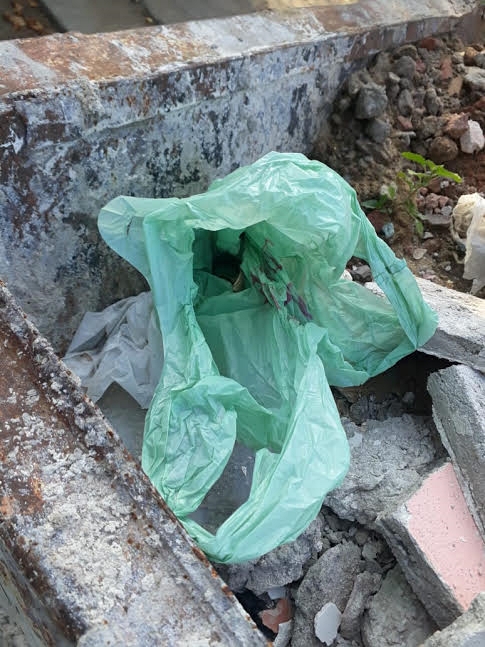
(467, 631)
(373, 569)
(458, 394)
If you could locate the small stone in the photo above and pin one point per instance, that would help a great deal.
(405, 67)
(364, 586)
(377, 218)
(327, 622)
(473, 140)
(455, 86)
(456, 125)
(393, 78)
(272, 618)
(381, 67)
(357, 81)
(431, 201)
(363, 273)
(361, 536)
(408, 398)
(469, 55)
(371, 101)
(427, 235)
(405, 103)
(407, 50)
(430, 126)
(480, 60)
(284, 634)
(419, 253)
(438, 219)
(378, 130)
(420, 66)
(388, 230)
(431, 43)
(369, 551)
(431, 101)
(475, 79)
(277, 592)
(446, 69)
(442, 149)
(405, 123)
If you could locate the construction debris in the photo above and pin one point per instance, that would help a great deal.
(467, 631)
(438, 546)
(395, 615)
(458, 394)
(460, 336)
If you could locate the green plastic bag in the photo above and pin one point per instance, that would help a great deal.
(255, 365)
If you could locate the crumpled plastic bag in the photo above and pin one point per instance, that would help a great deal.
(256, 323)
(123, 345)
(468, 228)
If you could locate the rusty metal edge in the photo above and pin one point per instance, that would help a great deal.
(96, 434)
(33, 64)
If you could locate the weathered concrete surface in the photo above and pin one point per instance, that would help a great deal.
(160, 112)
(89, 554)
(467, 631)
(389, 461)
(458, 394)
(330, 579)
(460, 336)
(395, 615)
(438, 546)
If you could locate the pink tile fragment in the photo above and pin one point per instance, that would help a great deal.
(445, 531)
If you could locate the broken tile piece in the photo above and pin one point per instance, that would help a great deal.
(272, 618)
(327, 622)
(458, 394)
(438, 546)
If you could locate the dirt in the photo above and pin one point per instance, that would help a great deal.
(413, 95)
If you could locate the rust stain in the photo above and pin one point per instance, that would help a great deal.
(227, 591)
(200, 555)
(96, 57)
(7, 506)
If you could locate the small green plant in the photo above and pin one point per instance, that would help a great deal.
(384, 202)
(412, 181)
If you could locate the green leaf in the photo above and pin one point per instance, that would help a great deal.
(442, 172)
(370, 204)
(419, 227)
(418, 159)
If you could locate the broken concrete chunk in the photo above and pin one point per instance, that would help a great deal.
(327, 622)
(284, 634)
(371, 101)
(364, 586)
(396, 616)
(467, 631)
(458, 394)
(460, 336)
(388, 461)
(330, 579)
(472, 140)
(438, 546)
(278, 567)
